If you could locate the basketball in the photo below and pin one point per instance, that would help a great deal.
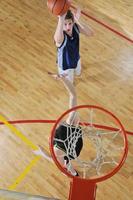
(58, 7)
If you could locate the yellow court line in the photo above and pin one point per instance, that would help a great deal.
(24, 173)
(29, 143)
(18, 133)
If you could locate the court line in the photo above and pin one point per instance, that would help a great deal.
(29, 143)
(20, 178)
(26, 121)
(18, 133)
(53, 121)
(105, 25)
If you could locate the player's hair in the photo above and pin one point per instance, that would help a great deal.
(69, 15)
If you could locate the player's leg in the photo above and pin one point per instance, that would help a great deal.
(64, 161)
(78, 69)
(69, 73)
(59, 155)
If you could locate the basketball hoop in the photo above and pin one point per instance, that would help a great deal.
(103, 153)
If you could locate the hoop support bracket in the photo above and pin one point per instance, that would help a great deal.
(81, 189)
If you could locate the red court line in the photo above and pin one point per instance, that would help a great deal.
(105, 25)
(53, 121)
(30, 121)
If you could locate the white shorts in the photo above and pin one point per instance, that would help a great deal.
(71, 72)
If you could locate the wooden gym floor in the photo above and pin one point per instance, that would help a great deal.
(27, 52)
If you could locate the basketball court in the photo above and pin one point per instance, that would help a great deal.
(31, 101)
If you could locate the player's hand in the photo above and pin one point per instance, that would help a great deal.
(77, 14)
(62, 16)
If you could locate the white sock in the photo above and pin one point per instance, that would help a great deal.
(39, 152)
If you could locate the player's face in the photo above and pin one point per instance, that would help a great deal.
(68, 26)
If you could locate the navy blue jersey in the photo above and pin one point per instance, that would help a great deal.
(68, 53)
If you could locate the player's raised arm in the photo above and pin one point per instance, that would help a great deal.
(59, 36)
(83, 28)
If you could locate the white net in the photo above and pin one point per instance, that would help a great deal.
(100, 139)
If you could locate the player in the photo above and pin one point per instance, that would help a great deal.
(67, 130)
(66, 38)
